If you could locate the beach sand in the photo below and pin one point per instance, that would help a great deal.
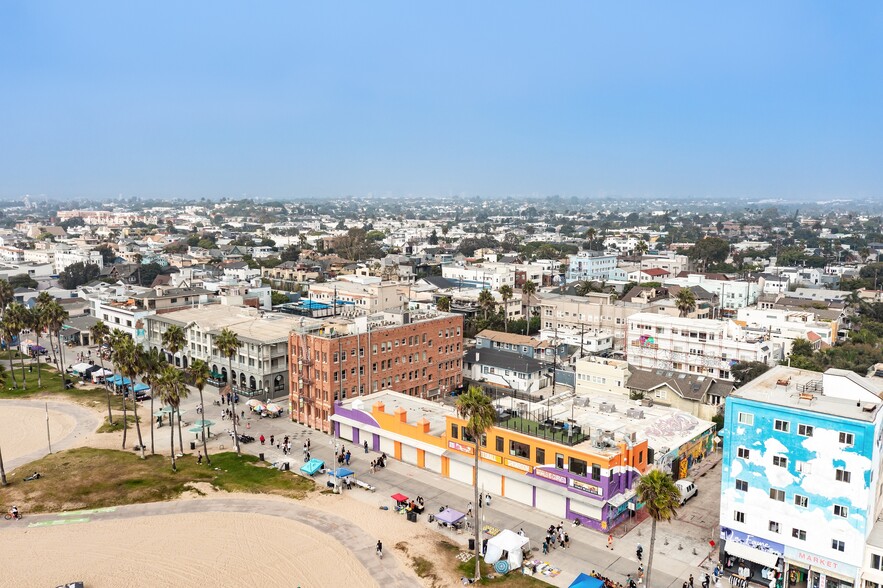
(206, 549)
(24, 429)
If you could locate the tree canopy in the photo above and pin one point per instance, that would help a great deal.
(77, 274)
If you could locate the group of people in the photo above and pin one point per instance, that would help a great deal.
(343, 457)
(380, 462)
(228, 413)
(608, 583)
(556, 537)
(482, 500)
(229, 398)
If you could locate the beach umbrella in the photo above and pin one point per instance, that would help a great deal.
(273, 407)
(399, 497)
(254, 402)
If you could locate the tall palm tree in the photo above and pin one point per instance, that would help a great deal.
(43, 300)
(174, 340)
(228, 344)
(685, 301)
(444, 304)
(129, 361)
(527, 291)
(152, 362)
(506, 294)
(3, 481)
(17, 315)
(590, 235)
(167, 386)
(7, 327)
(486, 302)
(478, 410)
(641, 248)
(116, 340)
(100, 332)
(200, 374)
(56, 316)
(37, 322)
(661, 498)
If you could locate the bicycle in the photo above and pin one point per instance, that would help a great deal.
(9, 516)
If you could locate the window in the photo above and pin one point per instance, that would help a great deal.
(774, 526)
(519, 449)
(838, 545)
(843, 476)
(841, 511)
(744, 453)
(847, 438)
(742, 485)
(483, 436)
(805, 430)
(776, 494)
(780, 461)
(783, 426)
(596, 472)
(454, 430)
(802, 501)
(798, 534)
(578, 467)
(802, 467)
(559, 461)
(499, 445)
(876, 561)
(739, 516)
(541, 456)
(746, 418)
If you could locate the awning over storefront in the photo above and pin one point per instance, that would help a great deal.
(764, 558)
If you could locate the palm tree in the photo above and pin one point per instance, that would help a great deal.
(167, 386)
(661, 498)
(100, 332)
(444, 304)
(56, 315)
(3, 481)
(685, 301)
(478, 410)
(36, 322)
(116, 339)
(43, 300)
(486, 302)
(527, 292)
(506, 294)
(582, 287)
(641, 248)
(152, 362)
(228, 344)
(200, 374)
(17, 315)
(174, 340)
(590, 235)
(129, 361)
(7, 327)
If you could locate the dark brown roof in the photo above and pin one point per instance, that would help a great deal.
(689, 386)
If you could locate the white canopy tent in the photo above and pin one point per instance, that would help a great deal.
(506, 545)
(100, 373)
(80, 368)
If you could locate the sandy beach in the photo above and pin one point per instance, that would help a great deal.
(206, 549)
(24, 429)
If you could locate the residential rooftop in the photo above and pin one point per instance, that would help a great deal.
(248, 323)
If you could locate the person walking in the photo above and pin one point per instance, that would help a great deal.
(271, 440)
(690, 581)
(639, 551)
(348, 456)
(610, 542)
(261, 438)
(366, 447)
(199, 459)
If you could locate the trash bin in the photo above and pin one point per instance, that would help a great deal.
(472, 544)
(261, 456)
(412, 516)
(192, 445)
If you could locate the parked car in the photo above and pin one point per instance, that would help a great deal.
(687, 489)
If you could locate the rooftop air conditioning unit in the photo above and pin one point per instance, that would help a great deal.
(607, 407)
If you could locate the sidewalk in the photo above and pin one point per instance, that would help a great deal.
(588, 549)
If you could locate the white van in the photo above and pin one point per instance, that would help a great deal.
(687, 489)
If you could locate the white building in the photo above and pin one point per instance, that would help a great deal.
(590, 265)
(784, 326)
(64, 258)
(597, 374)
(696, 346)
(731, 294)
(486, 275)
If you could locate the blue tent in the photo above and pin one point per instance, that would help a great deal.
(139, 387)
(312, 466)
(341, 473)
(586, 581)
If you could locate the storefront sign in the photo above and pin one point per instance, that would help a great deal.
(518, 466)
(491, 457)
(806, 559)
(586, 487)
(460, 447)
(541, 473)
(753, 541)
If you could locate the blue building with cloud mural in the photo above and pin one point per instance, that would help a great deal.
(800, 484)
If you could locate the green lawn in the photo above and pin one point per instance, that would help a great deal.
(95, 478)
(515, 578)
(53, 387)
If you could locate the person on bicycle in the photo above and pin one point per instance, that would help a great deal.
(379, 549)
(14, 512)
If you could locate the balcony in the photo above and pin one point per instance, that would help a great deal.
(547, 429)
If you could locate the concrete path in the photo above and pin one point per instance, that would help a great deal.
(87, 419)
(387, 572)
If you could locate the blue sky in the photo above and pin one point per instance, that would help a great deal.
(756, 99)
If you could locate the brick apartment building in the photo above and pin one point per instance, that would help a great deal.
(415, 353)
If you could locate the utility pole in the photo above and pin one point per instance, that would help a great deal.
(48, 436)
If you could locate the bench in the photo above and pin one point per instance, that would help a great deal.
(365, 485)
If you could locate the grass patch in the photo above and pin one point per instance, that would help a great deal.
(4, 355)
(53, 387)
(95, 478)
(422, 566)
(117, 424)
(514, 578)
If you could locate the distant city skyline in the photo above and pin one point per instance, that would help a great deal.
(276, 100)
